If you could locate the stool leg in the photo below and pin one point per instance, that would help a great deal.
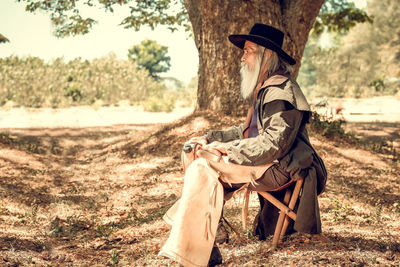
(278, 229)
(281, 219)
(245, 208)
(284, 228)
(292, 203)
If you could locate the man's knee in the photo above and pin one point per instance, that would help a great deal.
(200, 168)
(198, 164)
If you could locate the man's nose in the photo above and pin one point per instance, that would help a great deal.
(243, 58)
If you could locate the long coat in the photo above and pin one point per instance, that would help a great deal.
(282, 139)
(283, 112)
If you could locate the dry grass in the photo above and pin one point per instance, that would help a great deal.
(95, 196)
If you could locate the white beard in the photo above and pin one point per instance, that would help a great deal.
(249, 75)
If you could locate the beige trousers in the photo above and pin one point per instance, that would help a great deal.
(194, 217)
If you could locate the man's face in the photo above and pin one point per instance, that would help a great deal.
(249, 54)
(250, 67)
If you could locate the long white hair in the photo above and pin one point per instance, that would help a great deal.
(276, 63)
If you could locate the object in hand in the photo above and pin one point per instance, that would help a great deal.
(189, 154)
(189, 147)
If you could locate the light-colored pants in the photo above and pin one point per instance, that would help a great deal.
(194, 217)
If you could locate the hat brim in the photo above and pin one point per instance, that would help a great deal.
(240, 39)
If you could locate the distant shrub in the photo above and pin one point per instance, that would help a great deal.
(31, 82)
(378, 84)
(327, 127)
(74, 93)
(159, 104)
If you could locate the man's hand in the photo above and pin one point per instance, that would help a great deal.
(216, 148)
(202, 140)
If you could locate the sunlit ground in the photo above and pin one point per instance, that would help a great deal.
(84, 116)
(90, 195)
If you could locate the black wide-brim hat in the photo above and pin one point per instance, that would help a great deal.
(266, 36)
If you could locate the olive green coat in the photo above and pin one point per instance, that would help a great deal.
(282, 114)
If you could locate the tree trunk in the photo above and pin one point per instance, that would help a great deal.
(219, 60)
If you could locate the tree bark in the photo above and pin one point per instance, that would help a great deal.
(219, 60)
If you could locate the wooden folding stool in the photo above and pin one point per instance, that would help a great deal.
(286, 207)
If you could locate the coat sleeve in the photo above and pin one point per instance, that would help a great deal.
(230, 134)
(281, 123)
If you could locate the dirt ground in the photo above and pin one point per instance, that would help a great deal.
(95, 196)
(84, 116)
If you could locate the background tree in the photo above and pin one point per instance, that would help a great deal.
(360, 62)
(151, 56)
(211, 22)
(3, 39)
(338, 16)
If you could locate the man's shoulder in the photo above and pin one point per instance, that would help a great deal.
(280, 81)
(275, 80)
(287, 90)
(277, 87)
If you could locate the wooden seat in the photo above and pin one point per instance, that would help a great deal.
(286, 207)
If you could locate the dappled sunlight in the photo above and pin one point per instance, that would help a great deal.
(91, 191)
(196, 125)
(20, 158)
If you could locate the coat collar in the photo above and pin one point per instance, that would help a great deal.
(275, 79)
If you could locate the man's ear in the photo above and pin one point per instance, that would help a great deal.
(269, 54)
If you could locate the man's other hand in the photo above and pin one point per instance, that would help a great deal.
(215, 147)
(202, 140)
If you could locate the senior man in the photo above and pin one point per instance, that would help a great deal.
(268, 150)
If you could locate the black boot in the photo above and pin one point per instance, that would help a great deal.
(222, 235)
(215, 257)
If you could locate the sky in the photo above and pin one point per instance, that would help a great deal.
(32, 35)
